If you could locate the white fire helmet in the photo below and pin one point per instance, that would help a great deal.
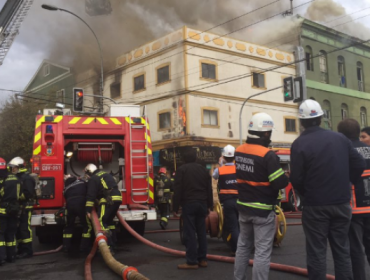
(16, 162)
(229, 151)
(90, 168)
(261, 122)
(310, 109)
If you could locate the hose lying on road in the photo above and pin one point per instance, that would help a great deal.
(49, 252)
(88, 274)
(274, 266)
(162, 231)
(127, 272)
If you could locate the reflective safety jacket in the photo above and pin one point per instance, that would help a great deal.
(10, 192)
(227, 185)
(167, 189)
(28, 189)
(259, 178)
(103, 187)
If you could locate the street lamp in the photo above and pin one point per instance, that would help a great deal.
(53, 8)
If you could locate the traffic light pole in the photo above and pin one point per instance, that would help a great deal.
(241, 111)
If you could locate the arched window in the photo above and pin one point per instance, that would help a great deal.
(363, 117)
(309, 61)
(360, 76)
(344, 111)
(323, 67)
(327, 114)
(341, 71)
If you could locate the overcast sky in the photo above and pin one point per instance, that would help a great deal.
(25, 56)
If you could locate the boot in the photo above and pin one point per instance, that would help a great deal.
(187, 266)
(203, 263)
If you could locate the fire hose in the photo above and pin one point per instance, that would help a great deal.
(274, 266)
(127, 272)
(48, 252)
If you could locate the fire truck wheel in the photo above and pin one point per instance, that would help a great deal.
(292, 202)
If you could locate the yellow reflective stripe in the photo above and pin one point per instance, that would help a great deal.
(37, 137)
(150, 181)
(58, 119)
(40, 121)
(28, 240)
(88, 121)
(102, 212)
(86, 235)
(256, 205)
(129, 120)
(29, 228)
(11, 244)
(89, 203)
(104, 183)
(102, 121)
(164, 219)
(2, 211)
(117, 197)
(74, 120)
(115, 121)
(151, 194)
(167, 190)
(28, 207)
(102, 200)
(67, 235)
(149, 150)
(2, 243)
(276, 174)
(112, 227)
(147, 136)
(37, 150)
(89, 228)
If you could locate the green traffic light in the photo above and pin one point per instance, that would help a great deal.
(287, 94)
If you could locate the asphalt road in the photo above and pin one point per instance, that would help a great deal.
(154, 264)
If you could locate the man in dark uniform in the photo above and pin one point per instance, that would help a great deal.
(359, 230)
(24, 232)
(10, 194)
(75, 196)
(103, 187)
(163, 187)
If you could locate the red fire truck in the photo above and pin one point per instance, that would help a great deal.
(119, 144)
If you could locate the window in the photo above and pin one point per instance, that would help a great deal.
(309, 61)
(164, 120)
(327, 115)
(163, 74)
(360, 76)
(344, 111)
(323, 67)
(258, 80)
(290, 124)
(46, 69)
(139, 82)
(115, 90)
(208, 70)
(341, 71)
(60, 96)
(210, 117)
(363, 117)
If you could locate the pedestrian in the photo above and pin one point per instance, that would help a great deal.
(75, 197)
(103, 187)
(193, 191)
(359, 230)
(365, 135)
(24, 231)
(259, 178)
(163, 187)
(10, 194)
(323, 163)
(228, 195)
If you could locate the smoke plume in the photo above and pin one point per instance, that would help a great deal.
(321, 10)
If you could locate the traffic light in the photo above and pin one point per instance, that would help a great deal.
(78, 99)
(288, 89)
(298, 89)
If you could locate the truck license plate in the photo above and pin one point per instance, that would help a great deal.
(51, 167)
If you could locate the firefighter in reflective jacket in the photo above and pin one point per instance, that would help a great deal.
(24, 231)
(75, 197)
(103, 187)
(228, 195)
(259, 177)
(163, 186)
(10, 194)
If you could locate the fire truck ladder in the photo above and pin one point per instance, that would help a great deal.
(138, 129)
(7, 36)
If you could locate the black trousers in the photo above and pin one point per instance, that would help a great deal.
(75, 210)
(323, 223)
(8, 229)
(359, 239)
(164, 211)
(106, 214)
(24, 233)
(231, 229)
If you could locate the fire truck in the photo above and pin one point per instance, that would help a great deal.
(119, 144)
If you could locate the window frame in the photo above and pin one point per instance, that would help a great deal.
(308, 50)
(110, 90)
(363, 112)
(217, 110)
(169, 73)
(360, 65)
(341, 64)
(344, 108)
(323, 57)
(201, 70)
(285, 125)
(264, 79)
(133, 82)
(46, 69)
(159, 123)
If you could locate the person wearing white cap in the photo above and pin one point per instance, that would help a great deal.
(323, 163)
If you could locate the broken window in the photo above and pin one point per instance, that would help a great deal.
(163, 74)
(115, 90)
(309, 61)
(139, 82)
(360, 76)
(323, 67)
(164, 120)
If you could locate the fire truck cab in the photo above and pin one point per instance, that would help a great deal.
(119, 144)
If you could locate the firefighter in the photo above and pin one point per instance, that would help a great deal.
(75, 197)
(24, 231)
(228, 195)
(259, 177)
(163, 187)
(103, 187)
(10, 194)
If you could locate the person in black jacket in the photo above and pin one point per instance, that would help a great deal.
(193, 191)
(323, 163)
(75, 197)
(359, 231)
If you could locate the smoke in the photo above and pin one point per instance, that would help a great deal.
(321, 10)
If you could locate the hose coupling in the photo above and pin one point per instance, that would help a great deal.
(127, 270)
(100, 237)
